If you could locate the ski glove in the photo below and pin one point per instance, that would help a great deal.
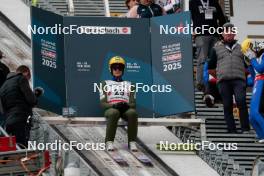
(250, 54)
(121, 106)
(38, 91)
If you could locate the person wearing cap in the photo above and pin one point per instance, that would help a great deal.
(256, 61)
(119, 100)
(205, 14)
(228, 60)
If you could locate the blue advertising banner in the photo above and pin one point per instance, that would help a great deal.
(48, 59)
(172, 63)
(87, 57)
(160, 59)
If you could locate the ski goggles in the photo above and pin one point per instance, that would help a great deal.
(117, 67)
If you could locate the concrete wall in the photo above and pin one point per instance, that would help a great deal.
(248, 10)
(18, 13)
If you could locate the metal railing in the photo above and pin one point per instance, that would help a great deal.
(42, 132)
(216, 159)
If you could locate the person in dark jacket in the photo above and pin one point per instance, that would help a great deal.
(207, 14)
(18, 100)
(4, 70)
(146, 9)
(227, 58)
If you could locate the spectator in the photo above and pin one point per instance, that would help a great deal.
(170, 6)
(146, 9)
(205, 13)
(211, 93)
(227, 58)
(4, 70)
(18, 101)
(131, 3)
(256, 105)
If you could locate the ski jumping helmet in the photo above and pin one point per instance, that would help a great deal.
(246, 44)
(116, 60)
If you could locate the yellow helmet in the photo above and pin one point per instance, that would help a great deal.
(116, 60)
(246, 44)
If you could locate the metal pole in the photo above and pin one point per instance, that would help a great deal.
(107, 9)
(186, 5)
(70, 7)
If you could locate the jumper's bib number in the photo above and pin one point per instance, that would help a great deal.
(118, 96)
(118, 92)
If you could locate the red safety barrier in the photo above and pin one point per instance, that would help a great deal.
(7, 143)
(47, 159)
